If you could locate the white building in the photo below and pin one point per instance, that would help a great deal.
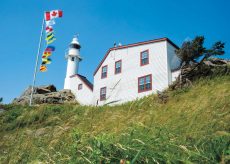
(127, 72)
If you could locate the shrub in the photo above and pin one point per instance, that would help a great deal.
(12, 115)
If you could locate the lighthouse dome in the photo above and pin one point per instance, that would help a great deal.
(75, 43)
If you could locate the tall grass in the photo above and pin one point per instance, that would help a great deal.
(192, 127)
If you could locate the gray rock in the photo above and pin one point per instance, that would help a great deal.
(45, 94)
(40, 90)
(45, 89)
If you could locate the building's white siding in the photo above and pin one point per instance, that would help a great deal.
(83, 96)
(173, 63)
(123, 87)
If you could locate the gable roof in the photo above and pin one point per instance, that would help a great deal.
(133, 45)
(84, 80)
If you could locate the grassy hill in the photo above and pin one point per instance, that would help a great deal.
(192, 127)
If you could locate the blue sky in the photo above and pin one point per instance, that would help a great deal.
(99, 23)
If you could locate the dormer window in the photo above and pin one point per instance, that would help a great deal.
(104, 72)
(118, 67)
(144, 58)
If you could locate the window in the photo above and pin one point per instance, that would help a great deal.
(72, 58)
(103, 93)
(74, 46)
(104, 72)
(144, 59)
(118, 67)
(79, 86)
(145, 83)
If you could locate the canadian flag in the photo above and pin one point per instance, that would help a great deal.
(49, 15)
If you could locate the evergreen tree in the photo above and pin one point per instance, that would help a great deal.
(192, 51)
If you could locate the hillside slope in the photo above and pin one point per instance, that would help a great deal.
(192, 127)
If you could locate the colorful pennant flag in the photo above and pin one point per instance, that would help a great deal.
(50, 23)
(50, 36)
(53, 14)
(43, 68)
(50, 48)
(49, 29)
(46, 54)
(51, 40)
(46, 61)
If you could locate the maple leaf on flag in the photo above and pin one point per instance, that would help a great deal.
(49, 15)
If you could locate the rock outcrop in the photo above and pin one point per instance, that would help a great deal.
(208, 68)
(45, 94)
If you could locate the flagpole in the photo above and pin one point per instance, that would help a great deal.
(36, 64)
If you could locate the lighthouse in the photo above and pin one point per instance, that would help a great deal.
(73, 58)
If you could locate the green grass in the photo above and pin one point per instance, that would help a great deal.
(192, 127)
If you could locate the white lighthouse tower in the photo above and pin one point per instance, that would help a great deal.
(73, 58)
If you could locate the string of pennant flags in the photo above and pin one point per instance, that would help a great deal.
(48, 22)
(50, 17)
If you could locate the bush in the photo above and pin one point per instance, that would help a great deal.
(12, 115)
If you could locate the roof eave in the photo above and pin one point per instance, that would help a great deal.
(76, 75)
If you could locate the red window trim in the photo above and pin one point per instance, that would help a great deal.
(101, 98)
(141, 58)
(140, 91)
(106, 71)
(115, 67)
(79, 86)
